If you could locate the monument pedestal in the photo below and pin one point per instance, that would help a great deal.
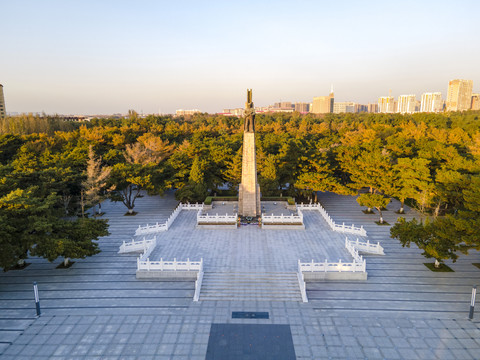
(249, 190)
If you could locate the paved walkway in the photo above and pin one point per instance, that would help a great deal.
(98, 310)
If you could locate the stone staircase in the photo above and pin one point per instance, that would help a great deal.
(273, 286)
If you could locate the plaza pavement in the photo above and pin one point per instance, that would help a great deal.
(98, 310)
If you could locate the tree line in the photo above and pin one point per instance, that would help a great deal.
(55, 174)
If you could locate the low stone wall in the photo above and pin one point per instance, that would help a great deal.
(167, 275)
(283, 226)
(320, 275)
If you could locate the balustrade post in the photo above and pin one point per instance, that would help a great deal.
(188, 264)
(339, 265)
(161, 264)
(148, 264)
(175, 264)
(312, 265)
(325, 266)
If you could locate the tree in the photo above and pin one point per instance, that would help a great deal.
(427, 237)
(413, 179)
(25, 219)
(129, 180)
(376, 201)
(268, 178)
(96, 180)
(72, 239)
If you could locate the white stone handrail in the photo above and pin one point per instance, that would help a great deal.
(195, 206)
(148, 250)
(137, 245)
(198, 283)
(350, 229)
(216, 218)
(366, 247)
(150, 229)
(279, 219)
(302, 284)
(332, 267)
(161, 265)
(354, 252)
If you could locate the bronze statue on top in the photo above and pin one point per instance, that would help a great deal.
(249, 124)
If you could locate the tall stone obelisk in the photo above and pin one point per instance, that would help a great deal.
(249, 190)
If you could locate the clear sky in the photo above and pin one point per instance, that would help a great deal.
(100, 57)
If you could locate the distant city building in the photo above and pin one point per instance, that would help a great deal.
(286, 105)
(386, 104)
(3, 111)
(233, 112)
(459, 97)
(182, 112)
(343, 107)
(406, 104)
(431, 102)
(302, 107)
(323, 104)
(361, 108)
(372, 108)
(475, 102)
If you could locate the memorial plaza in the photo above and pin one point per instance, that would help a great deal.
(250, 304)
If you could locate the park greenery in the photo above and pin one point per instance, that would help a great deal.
(54, 173)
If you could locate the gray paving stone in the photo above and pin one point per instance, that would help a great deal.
(394, 314)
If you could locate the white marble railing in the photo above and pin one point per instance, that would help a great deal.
(354, 252)
(366, 247)
(207, 218)
(349, 229)
(195, 206)
(301, 283)
(283, 219)
(161, 265)
(198, 284)
(137, 245)
(150, 229)
(332, 267)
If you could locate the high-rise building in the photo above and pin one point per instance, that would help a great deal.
(323, 104)
(475, 102)
(3, 111)
(406, 104)
(372, 108)
(459, 97)
(302, 107)
(431, 102)
(386, 104)
(343, 107)
(361, 108)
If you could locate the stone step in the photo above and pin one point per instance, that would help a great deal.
(282, 286)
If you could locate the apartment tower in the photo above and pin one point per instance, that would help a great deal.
(386, 104)
(459, 97)
(406, 104)
(323, 104)
(431, 102)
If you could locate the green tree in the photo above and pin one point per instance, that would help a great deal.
(427, 236)
(72, 239)
(376, 201)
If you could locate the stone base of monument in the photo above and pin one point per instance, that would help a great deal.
(221, 215)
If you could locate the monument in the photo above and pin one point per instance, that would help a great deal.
(249, 190)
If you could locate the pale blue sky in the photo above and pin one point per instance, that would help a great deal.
(92, 57)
